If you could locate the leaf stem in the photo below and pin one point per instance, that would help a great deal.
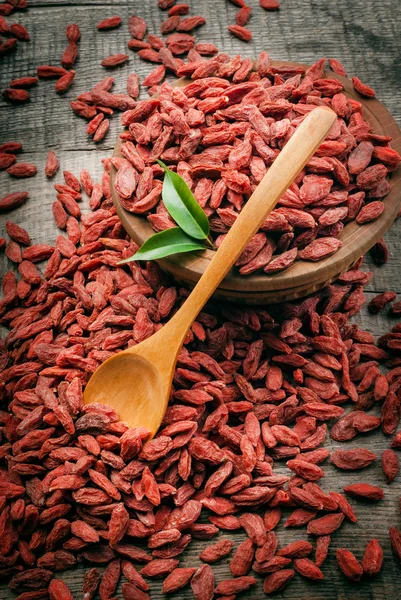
(209, 243)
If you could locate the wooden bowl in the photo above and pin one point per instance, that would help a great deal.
(302, 277)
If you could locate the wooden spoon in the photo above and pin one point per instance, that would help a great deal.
(137, 382)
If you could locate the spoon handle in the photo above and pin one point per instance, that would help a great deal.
(282, 173)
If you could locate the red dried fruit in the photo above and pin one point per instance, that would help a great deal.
(109, 23)
(206, 49)
(305, 469)
(363, 89)
(300, 517)
(170, 24)
(179, 9)
(396, 308)
(320, 248)
(6, 160)
(132, 592)
(6, 9)
(308, 569)
(322, 548)
(19, 31)
(15, 95)
(72, 32)
(155, 77)
(242, 560)
(240, 32)
(30, 579)
(63, 84)
(133, 85)
(190, 23)
(395, 539)
(52, 164)
(4, 28)
(390, 413)
(11, 147)
(379, 302)
(370, 177)
(325, 525)
(370, 212)
(48, 71)
(177, 579)
(254, 527)
(83, 110)
(360, 157)
(137, 27)
(277, 581)
(138, 45)
(349, 460)
(396, 443)
(202, 583)
(390, 465)
(18, 233)
(22, 170)
(348, 564)
(114, 60)
(365, 491)
(269, 4)
(58, 590)
(372, 559)
(130, 573)
(101, 130)
(234, 586)
(159, 567)
(13, 200)
(337, 67)
(227, 522)
(216, 551)
(70, 55)
(298, 549)
(243, 15)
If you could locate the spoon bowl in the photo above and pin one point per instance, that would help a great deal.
(130, 379)
(137, 381)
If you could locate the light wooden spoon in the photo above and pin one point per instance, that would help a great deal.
(137, 382)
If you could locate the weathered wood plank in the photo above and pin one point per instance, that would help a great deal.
(364, 36)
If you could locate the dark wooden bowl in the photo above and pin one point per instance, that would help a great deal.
(302, 277)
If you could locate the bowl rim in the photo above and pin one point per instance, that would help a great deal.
(356, 239)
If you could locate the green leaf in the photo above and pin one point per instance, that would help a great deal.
(182, 206)
(165, 243)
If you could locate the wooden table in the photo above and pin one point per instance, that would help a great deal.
(364, 35)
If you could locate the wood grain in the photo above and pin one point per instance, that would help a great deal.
(365, 36)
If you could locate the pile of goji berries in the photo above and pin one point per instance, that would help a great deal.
(223, 131)
(253, 387)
